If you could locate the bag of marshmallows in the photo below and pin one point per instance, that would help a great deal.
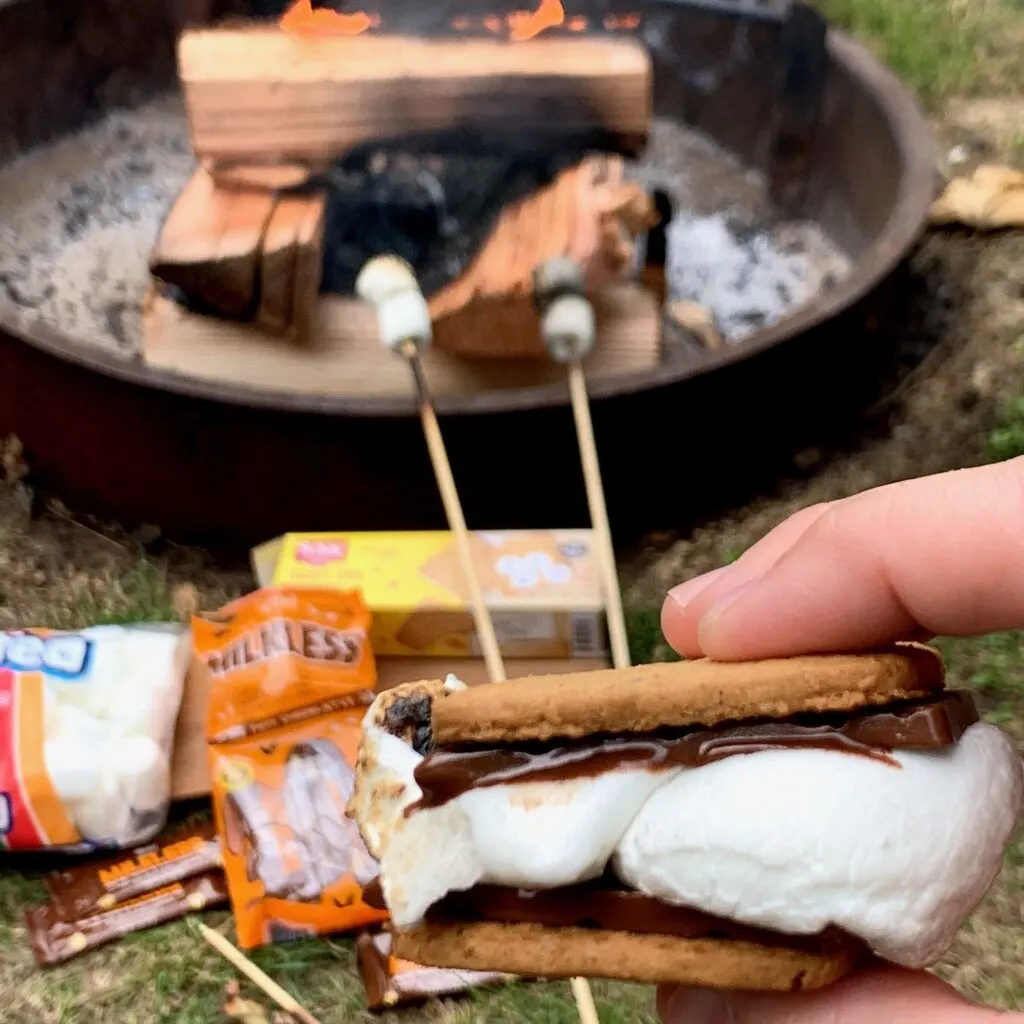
(86, 731)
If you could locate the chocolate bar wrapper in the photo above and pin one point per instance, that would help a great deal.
(390, 981)
(55, 941)
(93, 886)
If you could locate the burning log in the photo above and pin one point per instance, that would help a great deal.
(258, 95)
(589, 214)
(253, 255)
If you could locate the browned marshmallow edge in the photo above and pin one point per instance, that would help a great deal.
(534, 950)
(700, 692)
(367, 794)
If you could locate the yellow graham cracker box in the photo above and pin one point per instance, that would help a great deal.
(542, 587)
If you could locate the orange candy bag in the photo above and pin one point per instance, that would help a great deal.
(292, 674)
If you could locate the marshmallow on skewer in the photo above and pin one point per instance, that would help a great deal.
(567, 323)
(402, 313)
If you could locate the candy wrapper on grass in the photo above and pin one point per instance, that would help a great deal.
(292, 674)
(86, 730)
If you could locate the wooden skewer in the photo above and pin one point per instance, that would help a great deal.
(584, 997)
(389, 281)
(456, 520)
(599, 514)
(238, 959)
(581, 991)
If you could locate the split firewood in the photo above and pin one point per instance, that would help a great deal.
(291, 264)
(587, 213)
(259, 95)
(309, 265)
(343, 355)
(260, 176)
(209, 246)
(244, 254)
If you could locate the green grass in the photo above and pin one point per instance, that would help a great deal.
(1007, 440)
(939, 47)
(142, 594)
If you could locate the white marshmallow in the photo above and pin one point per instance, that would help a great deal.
(103, 816)
(539, 835)
(109, 729)
(142, 772)
(568, 327)
(402, 311)
(795, 840)
(68, 723)
(73, 767)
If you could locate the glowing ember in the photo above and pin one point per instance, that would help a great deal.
(303, 19)
(525, 25)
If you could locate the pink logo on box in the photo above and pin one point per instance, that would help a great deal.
(321, 552)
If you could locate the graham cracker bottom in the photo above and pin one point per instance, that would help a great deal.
(535, 950)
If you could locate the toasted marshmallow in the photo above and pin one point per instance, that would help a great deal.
(796, 840)
(541, 835)
(895, 851)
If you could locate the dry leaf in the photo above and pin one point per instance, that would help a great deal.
(185, 601)
(990, 199)
(697, 320)
(245, 1011)
(12, 459)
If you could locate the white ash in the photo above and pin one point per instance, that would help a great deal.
(748, 277)
(725, 252)
(79, 218)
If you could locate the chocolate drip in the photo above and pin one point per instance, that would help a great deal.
(605, 905)
(928, 724)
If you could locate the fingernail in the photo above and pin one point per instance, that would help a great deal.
(712, 618)
(698, 1006)
(686, 592)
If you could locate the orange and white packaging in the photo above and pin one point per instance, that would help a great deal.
(291, 675)
(86, 731)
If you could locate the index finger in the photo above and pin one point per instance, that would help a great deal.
(944, 554)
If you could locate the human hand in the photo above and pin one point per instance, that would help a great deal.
(936, 555)
(881, 995)
(940, 554)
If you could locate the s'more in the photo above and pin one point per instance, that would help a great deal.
(762, 826)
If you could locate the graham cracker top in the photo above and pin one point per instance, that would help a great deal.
(699, 692)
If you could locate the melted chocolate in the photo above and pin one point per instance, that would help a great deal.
(605, 905)
(928, 724)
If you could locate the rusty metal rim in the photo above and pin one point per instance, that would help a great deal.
(901, 230)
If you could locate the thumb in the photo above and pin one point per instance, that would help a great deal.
(888, 994)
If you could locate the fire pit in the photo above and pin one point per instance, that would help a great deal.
(795, 173)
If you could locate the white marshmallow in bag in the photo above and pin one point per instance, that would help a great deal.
(111, 700)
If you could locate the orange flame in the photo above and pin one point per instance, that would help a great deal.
(303, 19)
(525, 25)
